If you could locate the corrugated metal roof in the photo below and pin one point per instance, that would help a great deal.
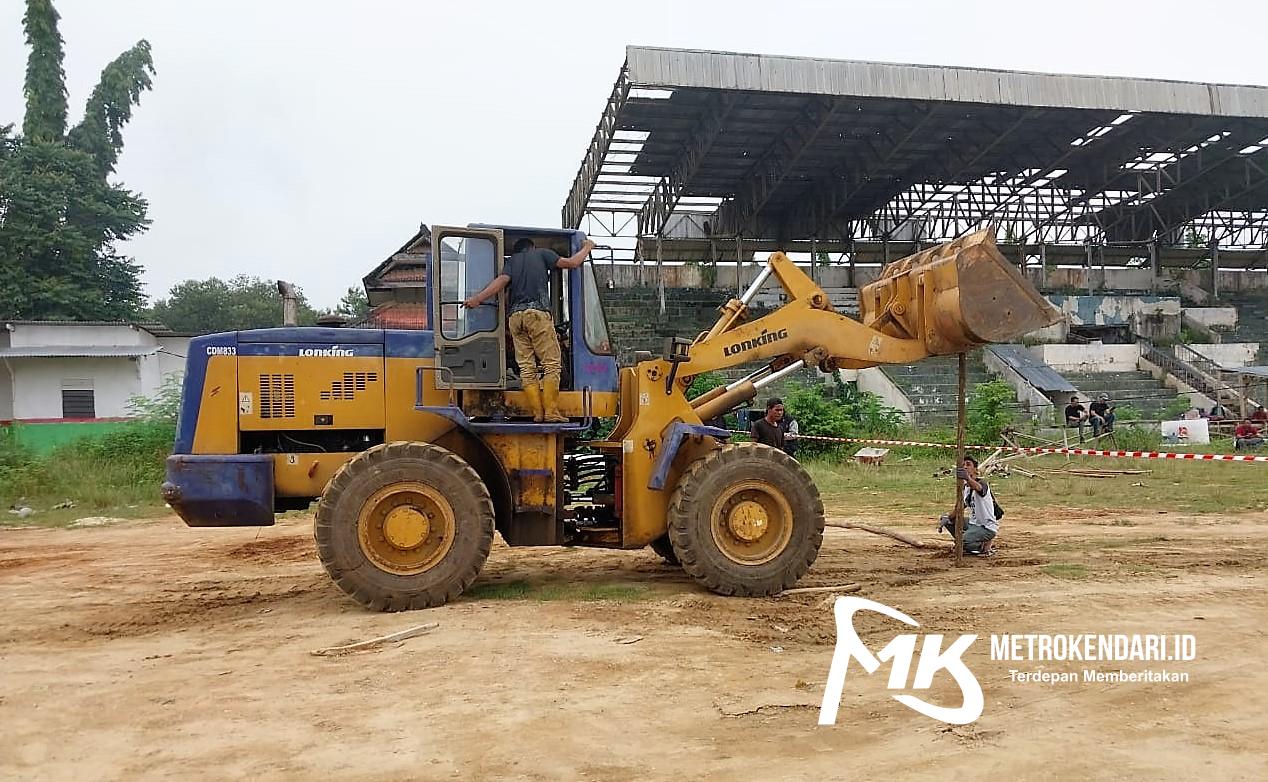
(1251, 371)
(78, 351)
(671, 68)
(1036, 372)
(791, 148)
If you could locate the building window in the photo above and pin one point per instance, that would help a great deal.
(77, 399)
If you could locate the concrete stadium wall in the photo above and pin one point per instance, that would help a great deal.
(697, 275)
(1110, 310)
(1094, 357)
(1229, 354)
(1220, 317)
(877, 382)
(1192, 283)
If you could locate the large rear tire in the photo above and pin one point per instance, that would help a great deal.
(404, 526)
(746, 520)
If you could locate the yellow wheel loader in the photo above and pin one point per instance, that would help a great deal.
(419, 445)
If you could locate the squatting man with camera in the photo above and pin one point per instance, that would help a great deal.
(981, 513)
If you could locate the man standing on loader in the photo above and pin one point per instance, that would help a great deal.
(527, 272)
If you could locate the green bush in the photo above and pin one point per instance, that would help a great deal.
(1176, 408)
(819, 415)
(1127, 413)
(703, 383)
(840, 412)
(1136, 438)
(988, 411)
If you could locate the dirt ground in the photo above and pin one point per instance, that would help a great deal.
(148, 649)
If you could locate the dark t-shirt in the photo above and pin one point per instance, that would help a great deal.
(1098, 407)
(530, 278)
(1073, 411)
(767, 433)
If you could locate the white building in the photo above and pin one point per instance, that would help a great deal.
(60, 370)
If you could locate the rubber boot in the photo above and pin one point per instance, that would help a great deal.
(550, 389)
(534, 394)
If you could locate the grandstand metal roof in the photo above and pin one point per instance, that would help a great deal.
(700, 144)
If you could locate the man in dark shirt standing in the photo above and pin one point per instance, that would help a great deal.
(767, 431)
(1075, 415)
(527, 272)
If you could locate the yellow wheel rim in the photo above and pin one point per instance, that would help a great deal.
(751, 522)
(406, 528)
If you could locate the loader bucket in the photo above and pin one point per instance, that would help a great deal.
(955, 297)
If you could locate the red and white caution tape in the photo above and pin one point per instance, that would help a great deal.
(1198, 457)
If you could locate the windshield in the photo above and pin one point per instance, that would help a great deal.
(596, 326)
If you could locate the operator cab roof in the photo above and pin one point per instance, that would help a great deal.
(557, 239)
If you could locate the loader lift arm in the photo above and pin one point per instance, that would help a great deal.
(945, 300)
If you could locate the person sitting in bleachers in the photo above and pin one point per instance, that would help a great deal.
(1246, 436)
(1075, 415)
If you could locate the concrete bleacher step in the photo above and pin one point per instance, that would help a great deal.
(1135, 388)
(932, 385)
(1252, 322)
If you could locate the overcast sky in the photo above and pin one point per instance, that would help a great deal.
(307, 139)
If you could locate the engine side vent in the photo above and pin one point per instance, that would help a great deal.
(277, 396)
(352, 382)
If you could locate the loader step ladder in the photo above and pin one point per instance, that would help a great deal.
(498, 426)
(506, 426)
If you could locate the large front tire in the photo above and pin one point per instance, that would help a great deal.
(665, 549)
(746, 520)
(404, 526)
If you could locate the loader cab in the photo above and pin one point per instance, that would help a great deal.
(473, 346)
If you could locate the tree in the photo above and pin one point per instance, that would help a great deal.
(60, 217)
(354, 305)
(212, 305)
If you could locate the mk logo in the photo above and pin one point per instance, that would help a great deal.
(933, 658)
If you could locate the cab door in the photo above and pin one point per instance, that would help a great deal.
(471, 344)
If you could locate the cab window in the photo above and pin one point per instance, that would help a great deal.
(467, 264)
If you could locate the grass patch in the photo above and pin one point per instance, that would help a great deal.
(511, 590)
(1070, 571)
(921, 484)
(1127, 542)
(115, 474)
(559, 591)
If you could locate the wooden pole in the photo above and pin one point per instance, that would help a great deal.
(959, 464)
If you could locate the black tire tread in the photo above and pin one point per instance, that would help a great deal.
(665, 549)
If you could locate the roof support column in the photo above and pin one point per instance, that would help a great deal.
(1215, 269)
(1087, 266)
(850, 277)
(660, 277)
(1153, 265)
